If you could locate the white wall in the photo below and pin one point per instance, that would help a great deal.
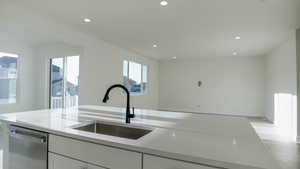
(231, 85)
(100, 62)
(100, 67)
(104, 67)
(27, 76)
(281, 75)
(44, 52)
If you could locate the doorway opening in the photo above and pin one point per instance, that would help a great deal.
(64, 82)
(285, 111)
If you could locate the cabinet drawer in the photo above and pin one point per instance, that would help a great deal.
(152, 162)
(94, 167)
(107, 157)
(60, 162)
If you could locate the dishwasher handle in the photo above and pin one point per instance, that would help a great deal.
(28, 136)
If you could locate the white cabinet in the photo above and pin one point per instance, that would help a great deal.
(60, 162)
(94, 167)
(152, 162)
(68, 153)
(100, 155)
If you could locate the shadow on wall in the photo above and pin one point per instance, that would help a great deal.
(285, 111)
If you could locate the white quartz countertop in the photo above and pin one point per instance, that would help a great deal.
(220, 141)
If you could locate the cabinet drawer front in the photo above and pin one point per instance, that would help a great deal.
(107, 157)
(59, 162)
(94, 167)
(152, 162)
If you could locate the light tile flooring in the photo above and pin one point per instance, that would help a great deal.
(284, 149)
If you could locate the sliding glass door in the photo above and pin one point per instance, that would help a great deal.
(64, 82)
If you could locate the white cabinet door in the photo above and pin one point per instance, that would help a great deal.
(152, 162)
(91, 153)
(94, 167)
(60, 162)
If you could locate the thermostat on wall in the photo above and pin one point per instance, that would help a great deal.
(199, 83)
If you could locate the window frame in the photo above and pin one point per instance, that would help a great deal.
(143, 92)
(49, 78)
(17, 78)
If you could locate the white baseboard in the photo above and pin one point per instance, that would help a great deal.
(298, 140)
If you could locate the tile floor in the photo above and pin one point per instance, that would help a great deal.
(285, 149)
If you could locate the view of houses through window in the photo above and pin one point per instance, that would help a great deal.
(8, 78)
(64, 82)
(135, 77)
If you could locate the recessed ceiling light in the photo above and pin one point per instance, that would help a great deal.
(237, 37)
(155, 45)
(174, 57)
(163, 3)
(234, 53)
(87, 20)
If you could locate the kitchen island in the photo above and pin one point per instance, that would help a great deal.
(176, 141)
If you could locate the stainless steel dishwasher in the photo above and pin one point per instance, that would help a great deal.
(28, 149)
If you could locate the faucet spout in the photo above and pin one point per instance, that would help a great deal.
(106, 98)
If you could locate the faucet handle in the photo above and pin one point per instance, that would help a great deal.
(133, 114)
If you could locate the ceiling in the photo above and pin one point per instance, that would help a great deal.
(184, 28)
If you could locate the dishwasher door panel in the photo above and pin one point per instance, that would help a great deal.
(28, 149)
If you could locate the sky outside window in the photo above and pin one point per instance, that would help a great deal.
(135, 72)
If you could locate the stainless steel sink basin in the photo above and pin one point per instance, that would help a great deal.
(115, 130)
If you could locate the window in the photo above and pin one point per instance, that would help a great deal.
(64, 82)
(8, 78)
(135, 77)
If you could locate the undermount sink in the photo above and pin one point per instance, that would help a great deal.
(128, 132)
